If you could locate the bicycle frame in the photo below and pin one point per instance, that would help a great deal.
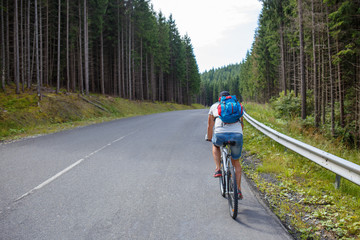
(225, 153)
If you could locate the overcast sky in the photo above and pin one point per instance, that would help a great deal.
(221, 32)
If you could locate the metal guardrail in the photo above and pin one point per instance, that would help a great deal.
(340, 166)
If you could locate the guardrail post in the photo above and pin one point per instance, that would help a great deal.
(337, 181)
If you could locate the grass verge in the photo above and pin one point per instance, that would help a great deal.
(23, 115)
(301, 193)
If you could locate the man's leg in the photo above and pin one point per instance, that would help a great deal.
(235, 156)
(217, 156)
(238, 169)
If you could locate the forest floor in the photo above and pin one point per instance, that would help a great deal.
(301, 193)
(26, 114)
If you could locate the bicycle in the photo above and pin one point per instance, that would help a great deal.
(228, 186)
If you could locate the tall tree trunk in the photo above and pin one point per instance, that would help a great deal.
(180, 93)
(295, 72)
(123, 61)
(41, 64)
(37, 50)
(341, 99)
(51, 56)
(8, 77)
(28, 47)
(58, 48)
(46, 60)
(170, 89)
(22, 64)
(115, 73)
(316, 85)
(73, 72)
(129, 58)
(323, 87)
(358, 101)
(67, 48)
(3, 46)
(141, 72)
(119, 49)
(282, 51)
(92, 71)
(133, 61)
(332, 88)
(81, 80)
(102, 78)
(161, 85)
(152, 79)
(147, 78)
(302, 62)
(86, 49)
(16, 49)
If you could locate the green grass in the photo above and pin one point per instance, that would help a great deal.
(301, 192)
(24, 114)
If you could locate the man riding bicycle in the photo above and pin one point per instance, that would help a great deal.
(219, 133)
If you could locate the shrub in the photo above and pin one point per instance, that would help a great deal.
(288, 106)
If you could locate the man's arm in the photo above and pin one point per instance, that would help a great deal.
(242, 122)
(210, 126)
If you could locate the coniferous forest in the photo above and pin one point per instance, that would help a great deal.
(306, 52)
(117, 47)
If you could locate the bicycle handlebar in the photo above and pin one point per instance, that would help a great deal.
(206, 138)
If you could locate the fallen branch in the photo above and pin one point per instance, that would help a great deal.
(96, 105)
(98, 102)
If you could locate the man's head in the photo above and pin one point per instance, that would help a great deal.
(224, 93)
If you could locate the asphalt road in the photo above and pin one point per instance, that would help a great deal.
(146, 177)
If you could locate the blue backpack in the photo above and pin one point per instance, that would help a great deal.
(229, 109)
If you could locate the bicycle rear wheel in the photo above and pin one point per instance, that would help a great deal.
(222, 181)
(232, 193)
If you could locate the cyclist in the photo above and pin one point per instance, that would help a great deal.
(219, 132)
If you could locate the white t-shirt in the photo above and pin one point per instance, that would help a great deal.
(220, 126)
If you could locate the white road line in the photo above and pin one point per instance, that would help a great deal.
(59, 174)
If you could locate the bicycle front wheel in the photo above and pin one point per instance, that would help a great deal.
(232, 193)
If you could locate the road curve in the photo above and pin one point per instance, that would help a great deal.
(147, 177)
